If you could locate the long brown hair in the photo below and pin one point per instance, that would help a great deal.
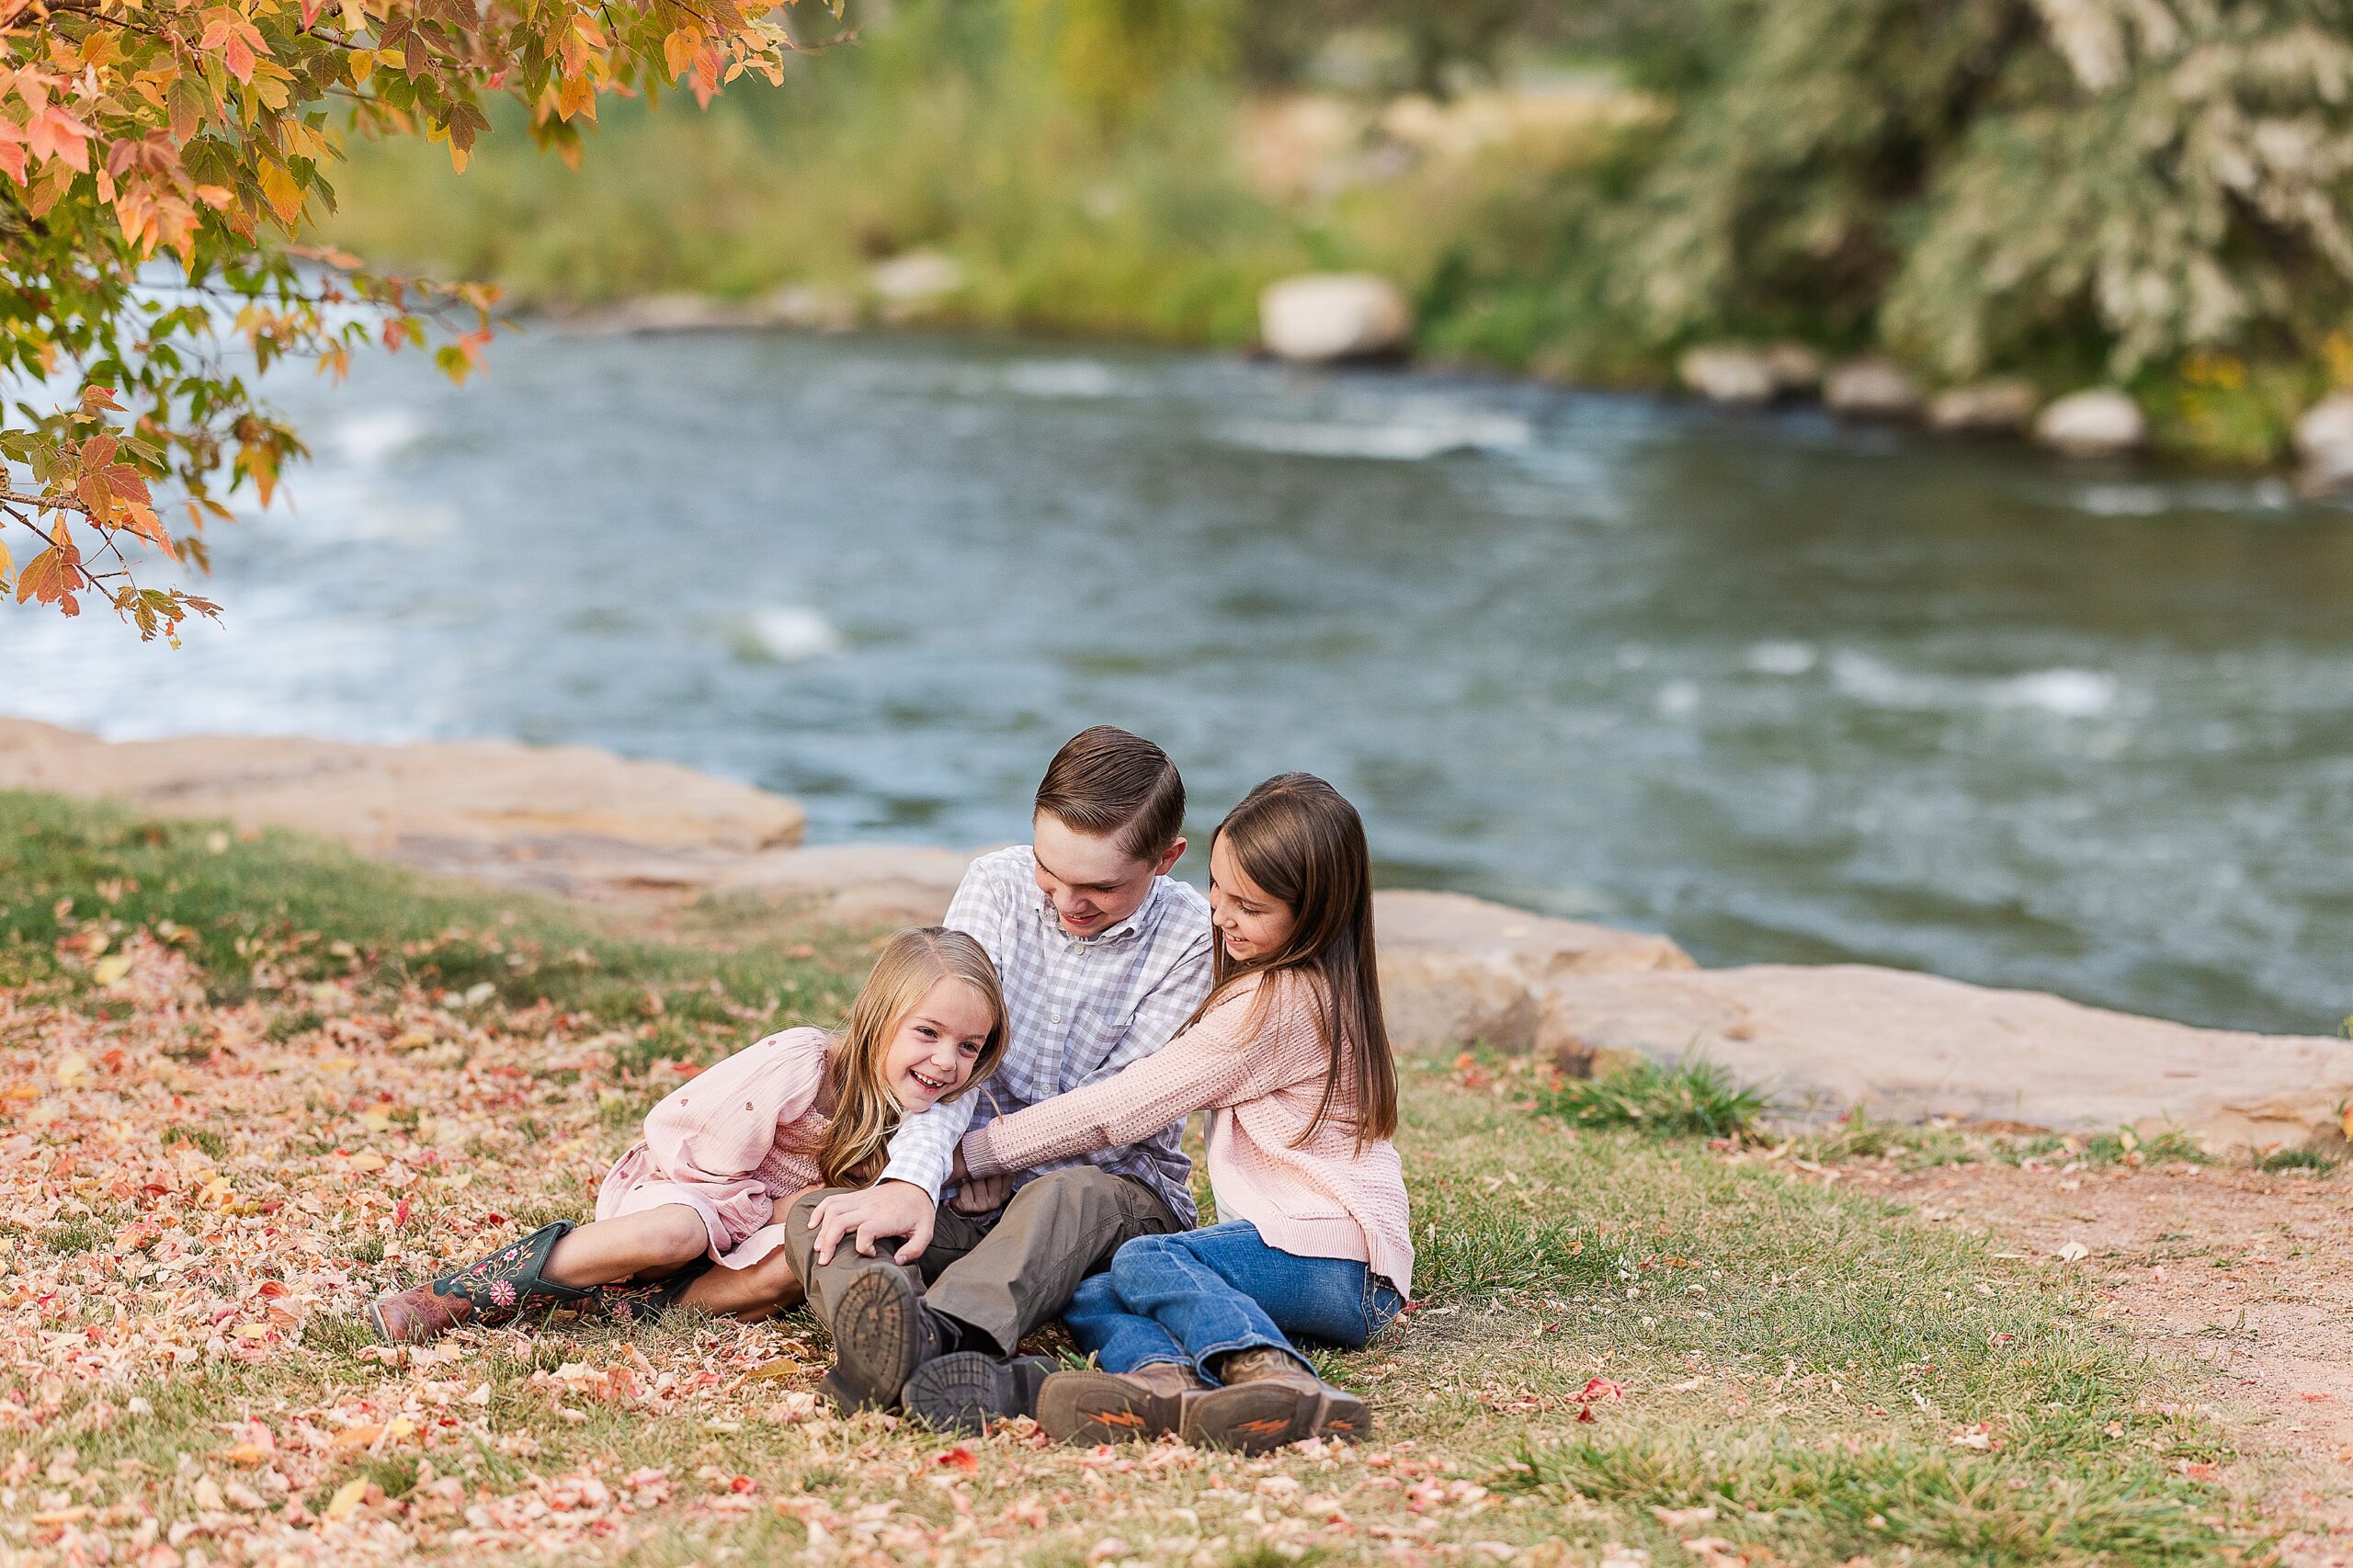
(864, 1111)
(1300, 841)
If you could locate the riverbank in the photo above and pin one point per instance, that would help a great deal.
(1823, 1041)
(247, 1082)
(1334, 319)
(1576, 218)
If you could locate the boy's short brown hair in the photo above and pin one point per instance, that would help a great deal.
(1112, 784)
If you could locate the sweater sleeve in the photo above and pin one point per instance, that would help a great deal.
(1207, 1067)
(720, 1124)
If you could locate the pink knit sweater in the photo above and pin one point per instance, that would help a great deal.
(1260, 1086)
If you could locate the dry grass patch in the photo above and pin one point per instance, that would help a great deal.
(1626, 1346)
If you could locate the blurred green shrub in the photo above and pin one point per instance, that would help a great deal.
(2074, 191)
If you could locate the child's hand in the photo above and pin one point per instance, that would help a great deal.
(981, 1194)
(888, 1208)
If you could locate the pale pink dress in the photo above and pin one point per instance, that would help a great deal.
(731, 1144)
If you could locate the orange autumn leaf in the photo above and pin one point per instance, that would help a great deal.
(284, 195)
(51, 577)
(237, 40)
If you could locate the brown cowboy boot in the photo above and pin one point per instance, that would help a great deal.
(417, 1314)
(1268, 1398)
(489, 1291)
(1093, 1406)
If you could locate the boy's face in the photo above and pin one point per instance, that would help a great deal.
(1091, 881)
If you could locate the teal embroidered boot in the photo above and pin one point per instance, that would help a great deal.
(490, 1291)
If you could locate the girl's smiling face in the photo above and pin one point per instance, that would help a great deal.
(1250, 921)
(933, 1048)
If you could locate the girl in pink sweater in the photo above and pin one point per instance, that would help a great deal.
(1289, 1058)
(685, 1216)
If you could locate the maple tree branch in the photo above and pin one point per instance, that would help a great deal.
(92, 13)
(12, 500)
(110, 540)
(113, 548)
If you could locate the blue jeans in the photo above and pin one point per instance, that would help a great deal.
(1197, 1294)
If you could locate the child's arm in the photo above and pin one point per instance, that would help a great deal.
(1206, 1068)
(719, 1126)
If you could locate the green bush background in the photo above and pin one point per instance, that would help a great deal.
(2076, 191)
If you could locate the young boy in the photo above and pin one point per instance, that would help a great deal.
(1103, 958)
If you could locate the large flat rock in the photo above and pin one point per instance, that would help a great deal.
(570, 819)
(903, 884)
(1910, 1046)
(1456, 970)
(1453, 969)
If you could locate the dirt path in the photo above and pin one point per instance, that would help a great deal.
(2246, 1276)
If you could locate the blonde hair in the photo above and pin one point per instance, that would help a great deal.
(864, 1111)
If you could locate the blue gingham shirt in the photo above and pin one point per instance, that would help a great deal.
(1079, 1009)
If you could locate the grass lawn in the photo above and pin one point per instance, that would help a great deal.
(245, 1085)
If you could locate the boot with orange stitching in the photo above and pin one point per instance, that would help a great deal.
(1108, 1407)
(1269, 1398)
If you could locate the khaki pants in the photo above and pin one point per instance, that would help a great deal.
(1007, 1278)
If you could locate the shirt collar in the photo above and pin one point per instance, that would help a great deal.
(1134, 926)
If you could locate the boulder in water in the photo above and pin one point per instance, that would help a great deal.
(2324, 442)
(1326, 316)
(808, 308)
(1795, 368)
(1872, 389)
(2327, 474)
(913, 283)
(1727, 373)
(2098, 423)
(1984, 408)
(659, 314)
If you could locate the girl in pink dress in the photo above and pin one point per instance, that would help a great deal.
(684, 1217)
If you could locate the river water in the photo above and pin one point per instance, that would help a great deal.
(1789, 690)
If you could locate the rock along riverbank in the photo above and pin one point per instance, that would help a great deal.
(1455, 971)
